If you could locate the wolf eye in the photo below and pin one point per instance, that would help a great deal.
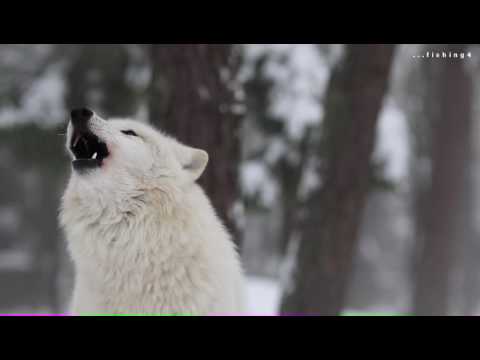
(129, 132)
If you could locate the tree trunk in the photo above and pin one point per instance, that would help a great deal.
(97, 78)
(191, 99)
(448, 219)
(329, 234)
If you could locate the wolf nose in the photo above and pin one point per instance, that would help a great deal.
(80, 116)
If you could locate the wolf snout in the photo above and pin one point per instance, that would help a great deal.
(80, 117)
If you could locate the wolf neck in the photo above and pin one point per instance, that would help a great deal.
(98, 206)
(138, 252)
(139, 218)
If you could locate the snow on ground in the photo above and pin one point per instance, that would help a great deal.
(263, 299)
(263, 296)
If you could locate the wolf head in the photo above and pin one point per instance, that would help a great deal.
(117, 161)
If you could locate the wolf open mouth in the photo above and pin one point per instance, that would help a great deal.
(88, 149)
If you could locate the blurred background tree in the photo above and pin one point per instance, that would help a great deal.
(192, 96)
(329, 231)
(448, 221)
(98, 75)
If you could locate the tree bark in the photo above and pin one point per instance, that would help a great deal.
(99, 69)
(448, 219)
(329, 233)
(190, 98)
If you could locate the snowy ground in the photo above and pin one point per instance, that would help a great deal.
(263, 296)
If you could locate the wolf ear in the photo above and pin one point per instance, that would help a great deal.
(193, 161)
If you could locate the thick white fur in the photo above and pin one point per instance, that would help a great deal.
(143, 236)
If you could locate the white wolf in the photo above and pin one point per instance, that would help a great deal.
(143, 236)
